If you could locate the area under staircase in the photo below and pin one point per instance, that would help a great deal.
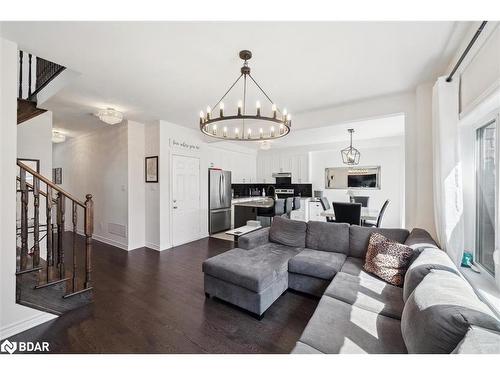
(53, 267)
(35, 74)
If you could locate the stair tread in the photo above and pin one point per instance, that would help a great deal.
(26, 110)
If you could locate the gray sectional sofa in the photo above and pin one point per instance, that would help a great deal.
(436, 311)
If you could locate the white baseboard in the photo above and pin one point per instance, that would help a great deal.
(23, 325)
(110, 242)
(153, 246)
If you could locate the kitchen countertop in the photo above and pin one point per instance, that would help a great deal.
(259, 202)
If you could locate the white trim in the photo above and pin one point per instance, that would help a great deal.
(153, 246)
(23, 325)
(110, 242)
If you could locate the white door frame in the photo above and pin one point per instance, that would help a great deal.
(171, 190)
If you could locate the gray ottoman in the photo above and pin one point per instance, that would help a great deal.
(250, 279)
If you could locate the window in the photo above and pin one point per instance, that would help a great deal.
(485, 195)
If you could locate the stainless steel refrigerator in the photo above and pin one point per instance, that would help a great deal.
(219, 198)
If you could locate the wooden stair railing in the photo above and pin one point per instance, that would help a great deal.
(45, 72)
(55, 244)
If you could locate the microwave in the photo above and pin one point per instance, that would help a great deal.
(352, 178)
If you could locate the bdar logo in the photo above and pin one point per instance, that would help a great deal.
(9, 347)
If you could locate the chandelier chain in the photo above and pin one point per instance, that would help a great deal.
(262, 90)
(227, 92)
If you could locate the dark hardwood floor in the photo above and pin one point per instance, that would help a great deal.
(147, 301)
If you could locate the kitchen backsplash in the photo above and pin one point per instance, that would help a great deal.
(247, 190)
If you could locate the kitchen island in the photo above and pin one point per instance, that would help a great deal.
(245, 210)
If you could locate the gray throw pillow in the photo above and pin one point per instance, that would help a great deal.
(288, 232)
(440, 311)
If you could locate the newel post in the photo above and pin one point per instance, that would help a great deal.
(89, 230)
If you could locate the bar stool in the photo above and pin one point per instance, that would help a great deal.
(296, 203)
(288, 206)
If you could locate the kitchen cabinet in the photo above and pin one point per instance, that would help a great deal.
(296, 164)
(241, 165)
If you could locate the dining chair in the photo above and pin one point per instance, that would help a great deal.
(347, 212)
(360, 199)
(296, 203)
(326, 206)
(379, 218)
(288, 206)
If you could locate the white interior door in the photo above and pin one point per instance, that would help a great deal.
(185, 199)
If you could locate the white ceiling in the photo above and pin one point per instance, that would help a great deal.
(171, 70)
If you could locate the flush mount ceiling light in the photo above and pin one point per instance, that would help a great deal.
(244, 126)
(350, 155)
(265, 145)
(57, 137)
(110, 116)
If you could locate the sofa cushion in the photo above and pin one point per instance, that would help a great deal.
(479, 341)
(254, 269)
(328, 236)
(320, 264)
(368, 293)
(288, 232)
(440, 311)
(387, 259)
(338, 327)
(429, 259)
(360, 236)
(420, 239)
(301, 348)
(353, 266)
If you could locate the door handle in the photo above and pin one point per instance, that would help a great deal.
(175, 207)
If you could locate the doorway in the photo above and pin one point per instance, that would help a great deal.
(186, 224)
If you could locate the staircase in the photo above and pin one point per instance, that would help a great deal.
(35, 74)
(53, 268)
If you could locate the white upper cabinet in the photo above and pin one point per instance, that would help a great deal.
(241, 165)
(296, 164)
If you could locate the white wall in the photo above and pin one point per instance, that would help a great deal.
(386, 153)
(97, 163)
(14, 318)
(34, 141)
(136, 186)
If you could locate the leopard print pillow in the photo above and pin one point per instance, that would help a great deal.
(387, 259)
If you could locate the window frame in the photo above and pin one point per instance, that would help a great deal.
(483, 122)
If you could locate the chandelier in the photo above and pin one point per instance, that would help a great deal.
(350, 155)
(245, 126)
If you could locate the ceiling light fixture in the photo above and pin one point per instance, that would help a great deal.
(350, 155)
(57, 137)
(265, 145)
(110, 116)
(243, 126)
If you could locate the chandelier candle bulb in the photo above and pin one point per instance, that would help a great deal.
(214, 129)
(282, 129)
(237, 133)
(209, 110)
(224, 132)
(249, 133)
(274, 110)
(272, 131)
(284, 114)
(261, 133)
(258, 108)
(240, 105)
(202, 117)
(221, 109)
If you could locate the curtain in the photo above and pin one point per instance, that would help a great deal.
(448, 196)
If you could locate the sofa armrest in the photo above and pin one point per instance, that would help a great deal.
(253, 239)
(419, 239)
